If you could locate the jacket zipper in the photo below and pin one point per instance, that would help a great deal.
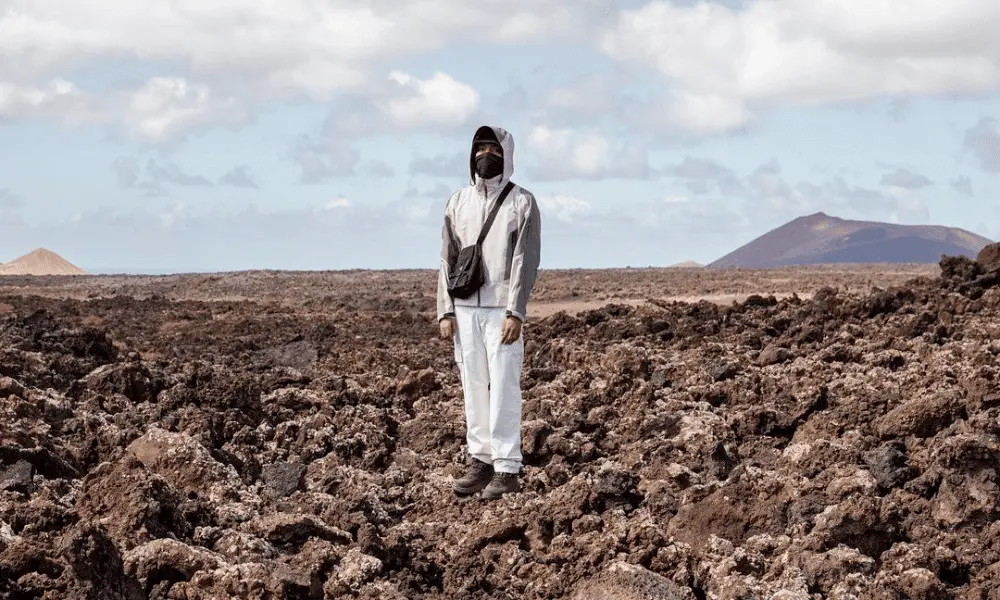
(486, 205)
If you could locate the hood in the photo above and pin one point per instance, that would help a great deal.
(506, 141)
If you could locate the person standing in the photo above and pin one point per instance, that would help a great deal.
(486, 322)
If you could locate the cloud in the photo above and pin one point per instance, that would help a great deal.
(983, 140)
(170, 173)
(336, 203)
(155, 179)
(307, 48)
(562, 207)
(219, 64)
(587, 97)
(9, 203)
(450, 165)
(377, 169)
(437, 101)
(571, 154)
(766, 182)
(697, 168)
(726, 65)
(763, 196)
(321, 159)
(56, 98)
(403, 103)
(167, 107)
(239, 176)
(963, 185)
(903, 178)
(163, 109)
(702, 177)
(440, 193)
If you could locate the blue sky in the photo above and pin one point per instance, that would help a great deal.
(224, 135)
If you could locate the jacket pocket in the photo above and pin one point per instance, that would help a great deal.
(511, 244)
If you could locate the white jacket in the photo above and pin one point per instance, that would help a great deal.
(512, 248)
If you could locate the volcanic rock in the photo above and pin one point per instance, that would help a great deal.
(844, 446)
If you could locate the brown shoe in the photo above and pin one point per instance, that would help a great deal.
(475, 479)
(502, 483)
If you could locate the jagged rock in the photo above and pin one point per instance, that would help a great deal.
(284, 478)
(989, 257)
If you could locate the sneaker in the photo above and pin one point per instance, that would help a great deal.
(502, 483)
(475, 479)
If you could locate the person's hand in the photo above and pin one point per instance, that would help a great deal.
(447, 328)
(511, 330)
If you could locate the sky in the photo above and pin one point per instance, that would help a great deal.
(218, 135)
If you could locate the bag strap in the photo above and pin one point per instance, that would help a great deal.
(493, 213)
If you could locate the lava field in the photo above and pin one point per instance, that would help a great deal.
(841, 446)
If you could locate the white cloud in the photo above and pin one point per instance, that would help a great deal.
(56, 98)
(260, 50)
(162, 109)
(167, 106)
(439, 100)
(573, 154)
(562, 207)
(336, 203)
(727, 64)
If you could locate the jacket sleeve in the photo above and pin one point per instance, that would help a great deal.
(449, 252)
(526, 258)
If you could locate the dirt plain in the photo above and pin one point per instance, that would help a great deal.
(799, 433)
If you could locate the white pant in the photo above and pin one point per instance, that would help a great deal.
(491, 382)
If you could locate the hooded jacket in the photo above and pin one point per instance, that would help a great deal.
(512, 248)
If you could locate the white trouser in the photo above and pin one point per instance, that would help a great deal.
(491, 382)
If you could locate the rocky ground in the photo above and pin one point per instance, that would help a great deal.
(844, 446)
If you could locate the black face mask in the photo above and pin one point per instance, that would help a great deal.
(489, 165)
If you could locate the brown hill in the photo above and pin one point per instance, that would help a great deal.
(820, 238)
(687, 264)
(40, 262)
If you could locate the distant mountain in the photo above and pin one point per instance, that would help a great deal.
(687, 264)
(820, 238)
(40, 262)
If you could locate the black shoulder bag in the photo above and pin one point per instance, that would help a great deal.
(466, 276)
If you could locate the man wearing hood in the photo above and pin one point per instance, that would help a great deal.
(486, 325)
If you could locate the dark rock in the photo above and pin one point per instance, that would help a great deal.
(297, 355)
(291, 531)
(959, 268)
(659, 379)
(724, 371)
(18, 477)
(284, 478)
(98, 565)
(889, 465)
(10, 387)
(45, 462)
(134, 380)
(614, 481)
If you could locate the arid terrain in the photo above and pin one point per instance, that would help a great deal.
(798, 433)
